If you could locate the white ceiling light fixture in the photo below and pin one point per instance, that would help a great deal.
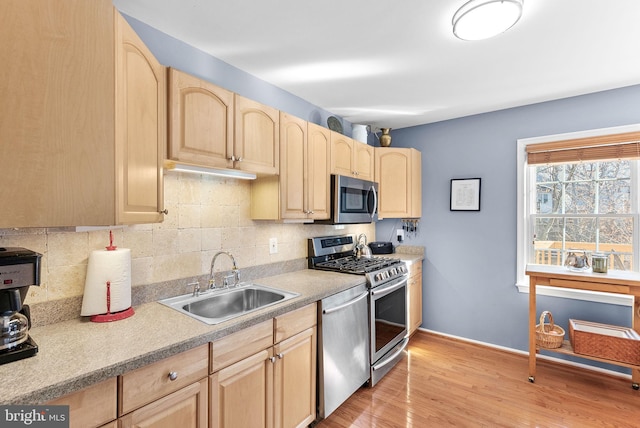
(482, 19)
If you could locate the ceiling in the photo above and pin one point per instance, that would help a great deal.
(394, 64)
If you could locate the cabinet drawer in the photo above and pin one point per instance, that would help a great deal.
(92, 406)
(146, 384)
(239, 345)
(295, 321)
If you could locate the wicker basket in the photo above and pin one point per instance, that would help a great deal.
(548, 336)
(605, 341)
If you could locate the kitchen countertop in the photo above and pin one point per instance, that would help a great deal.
(78, 353)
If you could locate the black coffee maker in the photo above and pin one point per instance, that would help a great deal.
(19, 269)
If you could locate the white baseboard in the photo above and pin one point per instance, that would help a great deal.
(520, 352)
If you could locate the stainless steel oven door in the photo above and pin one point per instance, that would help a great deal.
(388, 317)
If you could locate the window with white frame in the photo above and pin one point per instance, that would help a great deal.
(578, 193)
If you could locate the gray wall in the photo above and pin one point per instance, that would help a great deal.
(470, 264)
(172, 52)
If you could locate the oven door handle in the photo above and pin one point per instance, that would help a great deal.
(388, 360)
(377, 291)
(345, 305)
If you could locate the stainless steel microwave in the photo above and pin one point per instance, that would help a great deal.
(353, 200)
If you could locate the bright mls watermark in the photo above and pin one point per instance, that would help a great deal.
(34, 416)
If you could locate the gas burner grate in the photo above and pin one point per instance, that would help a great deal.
(357, 266)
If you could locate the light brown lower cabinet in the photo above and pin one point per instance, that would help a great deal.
(261, 376)
(273, 387)
(91, 407)
(415, 296)
(185, 408)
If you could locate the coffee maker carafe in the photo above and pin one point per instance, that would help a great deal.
(19, 269)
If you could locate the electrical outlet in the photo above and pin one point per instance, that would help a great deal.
(273, 245)
(400, 234)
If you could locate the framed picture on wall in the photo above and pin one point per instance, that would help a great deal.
(465, 194)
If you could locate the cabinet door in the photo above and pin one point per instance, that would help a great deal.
(92, 406)
(363, 160)
(200, 121)
(416, 184)
(185, 408)
(295, 380)
(415, 296)
(257, 135)
(141, 128)
(393, 173)
(341, 155)
(241, 394)
(399, 179)
(293, 177)
(56, 114)
(318, 175)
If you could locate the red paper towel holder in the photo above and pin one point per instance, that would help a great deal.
(111, 316)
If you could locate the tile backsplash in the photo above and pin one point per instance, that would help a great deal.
(206, 214)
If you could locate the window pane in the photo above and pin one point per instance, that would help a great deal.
(615, 169)
(548, 198)
(548, 242)
(580, 233)
(549, 229)
(615, 197)
(580, 198)
(615, 232)
(581, 171)
(548, 173)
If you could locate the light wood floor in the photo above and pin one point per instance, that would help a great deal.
(448, 383)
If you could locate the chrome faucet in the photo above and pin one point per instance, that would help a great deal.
(235, 272)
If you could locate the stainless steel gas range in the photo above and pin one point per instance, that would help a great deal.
(386, 295)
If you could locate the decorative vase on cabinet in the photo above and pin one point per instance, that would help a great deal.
(385, 137)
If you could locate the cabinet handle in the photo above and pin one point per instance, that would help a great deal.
(173, 376)
(272, 359)
(280, 356)
(164, 211)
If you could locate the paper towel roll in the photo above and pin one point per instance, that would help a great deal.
(115, 267)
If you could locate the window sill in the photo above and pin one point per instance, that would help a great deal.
(588, 296)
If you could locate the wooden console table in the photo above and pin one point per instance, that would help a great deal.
(620, 282)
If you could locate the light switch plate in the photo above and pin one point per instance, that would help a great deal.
(273, 245)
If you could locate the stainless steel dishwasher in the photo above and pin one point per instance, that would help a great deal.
(343, 341)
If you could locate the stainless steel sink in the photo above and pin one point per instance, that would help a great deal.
(221, 305)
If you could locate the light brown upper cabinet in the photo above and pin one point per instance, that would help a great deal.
(200, 121)
(351, 158)
(82, 118)
(302, 189)
(399, 177)
(257, 137)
